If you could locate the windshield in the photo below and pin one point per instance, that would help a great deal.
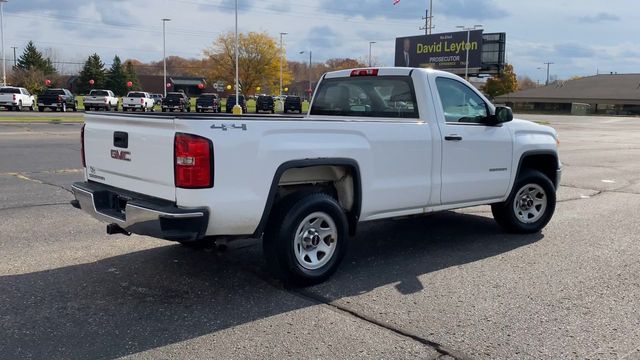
(367, 96)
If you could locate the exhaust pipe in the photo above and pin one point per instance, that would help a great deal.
(116, 229)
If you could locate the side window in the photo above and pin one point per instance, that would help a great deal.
(459, 103)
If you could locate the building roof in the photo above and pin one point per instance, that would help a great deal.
(187, 81)
(622, 89)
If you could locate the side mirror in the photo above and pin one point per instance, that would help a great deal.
(502, 114)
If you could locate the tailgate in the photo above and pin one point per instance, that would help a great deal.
(131, 152)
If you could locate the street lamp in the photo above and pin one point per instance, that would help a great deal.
(467, 46)
(370, 43)
(281, 59)
(4, 60)
(310, 53)
(237, 109)
(164, 55)
(548, 66)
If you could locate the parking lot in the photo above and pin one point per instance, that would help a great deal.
(450, 285)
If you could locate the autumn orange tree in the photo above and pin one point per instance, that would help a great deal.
(258, 62)
(500, 84)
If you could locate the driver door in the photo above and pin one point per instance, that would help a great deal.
(476, 158)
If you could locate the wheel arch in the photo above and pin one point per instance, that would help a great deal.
(353, 214)
(545, 161)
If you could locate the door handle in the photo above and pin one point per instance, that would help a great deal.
(453, 137)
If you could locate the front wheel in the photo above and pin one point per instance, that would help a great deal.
(530, 205)
(306, 239)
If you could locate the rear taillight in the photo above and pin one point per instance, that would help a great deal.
(14, 97)
(193, 164)
(84, 163)
(141, 101)
(364, 72)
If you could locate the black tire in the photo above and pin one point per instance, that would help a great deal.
(40, 108)
(19, 107)
(280, 238)
(508, 216)
(32, 108)
(164, 110)
(284, 111)
(107, 108)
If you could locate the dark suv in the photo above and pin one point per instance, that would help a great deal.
(206, 102)
(265, 103)
(231, 102)
(293, 103)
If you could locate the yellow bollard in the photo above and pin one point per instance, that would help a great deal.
(237, 109)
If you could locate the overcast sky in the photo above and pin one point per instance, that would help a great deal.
(580, 37)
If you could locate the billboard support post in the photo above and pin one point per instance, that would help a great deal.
(468, 30)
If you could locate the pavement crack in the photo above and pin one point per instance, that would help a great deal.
(23, 176)
(34, 206)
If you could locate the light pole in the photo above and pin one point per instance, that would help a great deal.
(467, 46)
(164, 55)
(548, 65)
(4, 60)
(237, 109)
(310, 53)
(15, 62)
(281, 60)
(370, 43)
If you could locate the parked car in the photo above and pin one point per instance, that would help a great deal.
(157, 99)
(208, 102)
(265, 103)
(293, 103)
(57, 99)
(16, 98)
(101, 99)
(231, 102)
(176, 101)
(400, 142)
(137, 100)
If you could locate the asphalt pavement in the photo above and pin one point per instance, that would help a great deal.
(450, 285)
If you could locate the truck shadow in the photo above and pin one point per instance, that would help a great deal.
(148, 299)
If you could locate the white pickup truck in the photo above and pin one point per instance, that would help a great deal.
(137, 100)
(101, 99)
(376, 144)
(16, 98)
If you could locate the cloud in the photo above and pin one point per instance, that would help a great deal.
(598, 18)
(573, 50)
(322, 37)
(409, 9)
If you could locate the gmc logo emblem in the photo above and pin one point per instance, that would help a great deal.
(121, 155)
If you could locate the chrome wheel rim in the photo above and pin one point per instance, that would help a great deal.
(315, 241)
(530, 203)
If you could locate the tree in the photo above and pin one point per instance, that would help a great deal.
(258, 63)
(525, 82)
(93, 70)
(502, 83)
(131, 75)
(32, 59)
(341, 64)
(116, 79)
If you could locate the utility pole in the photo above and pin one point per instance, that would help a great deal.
(467, 46)
(237, 109)
(281, 60)
(428, 20)
(426, 23)
(370, 43)
(548, 66)
(164, 55)
(4, 58)
(15, 62)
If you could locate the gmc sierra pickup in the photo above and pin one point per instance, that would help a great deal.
(377, 143)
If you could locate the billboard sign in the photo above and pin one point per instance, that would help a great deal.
(440, 51)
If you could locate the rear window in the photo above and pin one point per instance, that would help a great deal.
(207, 97)
(233, 98)
(54, 92)
(136, 95)
(265, 98)
(175, 96)
(99, 93)
(9, 91)
(366, 96)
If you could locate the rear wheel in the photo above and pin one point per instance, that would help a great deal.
(40, 108)
(530, 206)
(306, 238)
(32, 108)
